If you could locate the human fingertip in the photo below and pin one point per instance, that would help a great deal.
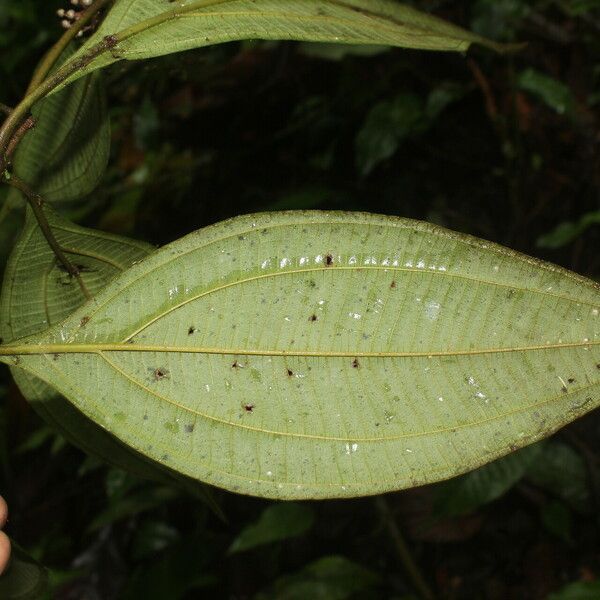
(4, 551)
(3, 512)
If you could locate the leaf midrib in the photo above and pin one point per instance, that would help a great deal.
(38, 349)
(51, 364)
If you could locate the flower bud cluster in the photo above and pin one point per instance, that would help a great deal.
(71, 15)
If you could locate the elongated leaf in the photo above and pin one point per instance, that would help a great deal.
(313, 355)
(64, 156)
(37, 294)
(147, 28)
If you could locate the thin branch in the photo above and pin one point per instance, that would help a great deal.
(28, 124)
(36, 202)
(410, 566)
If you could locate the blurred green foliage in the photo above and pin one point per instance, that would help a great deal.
(505, 148)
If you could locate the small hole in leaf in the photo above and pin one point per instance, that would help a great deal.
(249, 407)
(290, 373)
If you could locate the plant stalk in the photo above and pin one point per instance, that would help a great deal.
(36, 202)
(402, 550)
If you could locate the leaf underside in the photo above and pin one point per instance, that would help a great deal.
(318, 355)
(149, 28)
(65, 154)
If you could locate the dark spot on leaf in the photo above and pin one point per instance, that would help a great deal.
(189, 428)
(571, 380)
(110, 41)
(145, 417)
(160, 373)
(55, 356)
(191, 330)
(564, 389)
(313, 318)
(84, 321)
(393, 285)
(290, 373)
(249, 407)
(355, 363)
(329, 260)
(235, 365)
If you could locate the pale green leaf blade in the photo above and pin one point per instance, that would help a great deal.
(65, 155)
(314, 355)
(148, 28)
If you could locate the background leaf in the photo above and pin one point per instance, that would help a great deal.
(64, 156)
(395, 353)
(37, 294)
(278, 522)
(467, 493)
(329, 578)
(24, 579)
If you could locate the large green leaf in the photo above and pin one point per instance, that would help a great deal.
(64, 156)
(135, 29)
(313, 355)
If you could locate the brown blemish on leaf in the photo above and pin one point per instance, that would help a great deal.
(189, 428)
(160, 374)
(329, 260)
(236, 365)
(290, 373)
(393, 285)
(191, 330)
(313, 318)
(55, 356)
(249, 407)
(571, 380)
(355, 364)
(84, 321)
